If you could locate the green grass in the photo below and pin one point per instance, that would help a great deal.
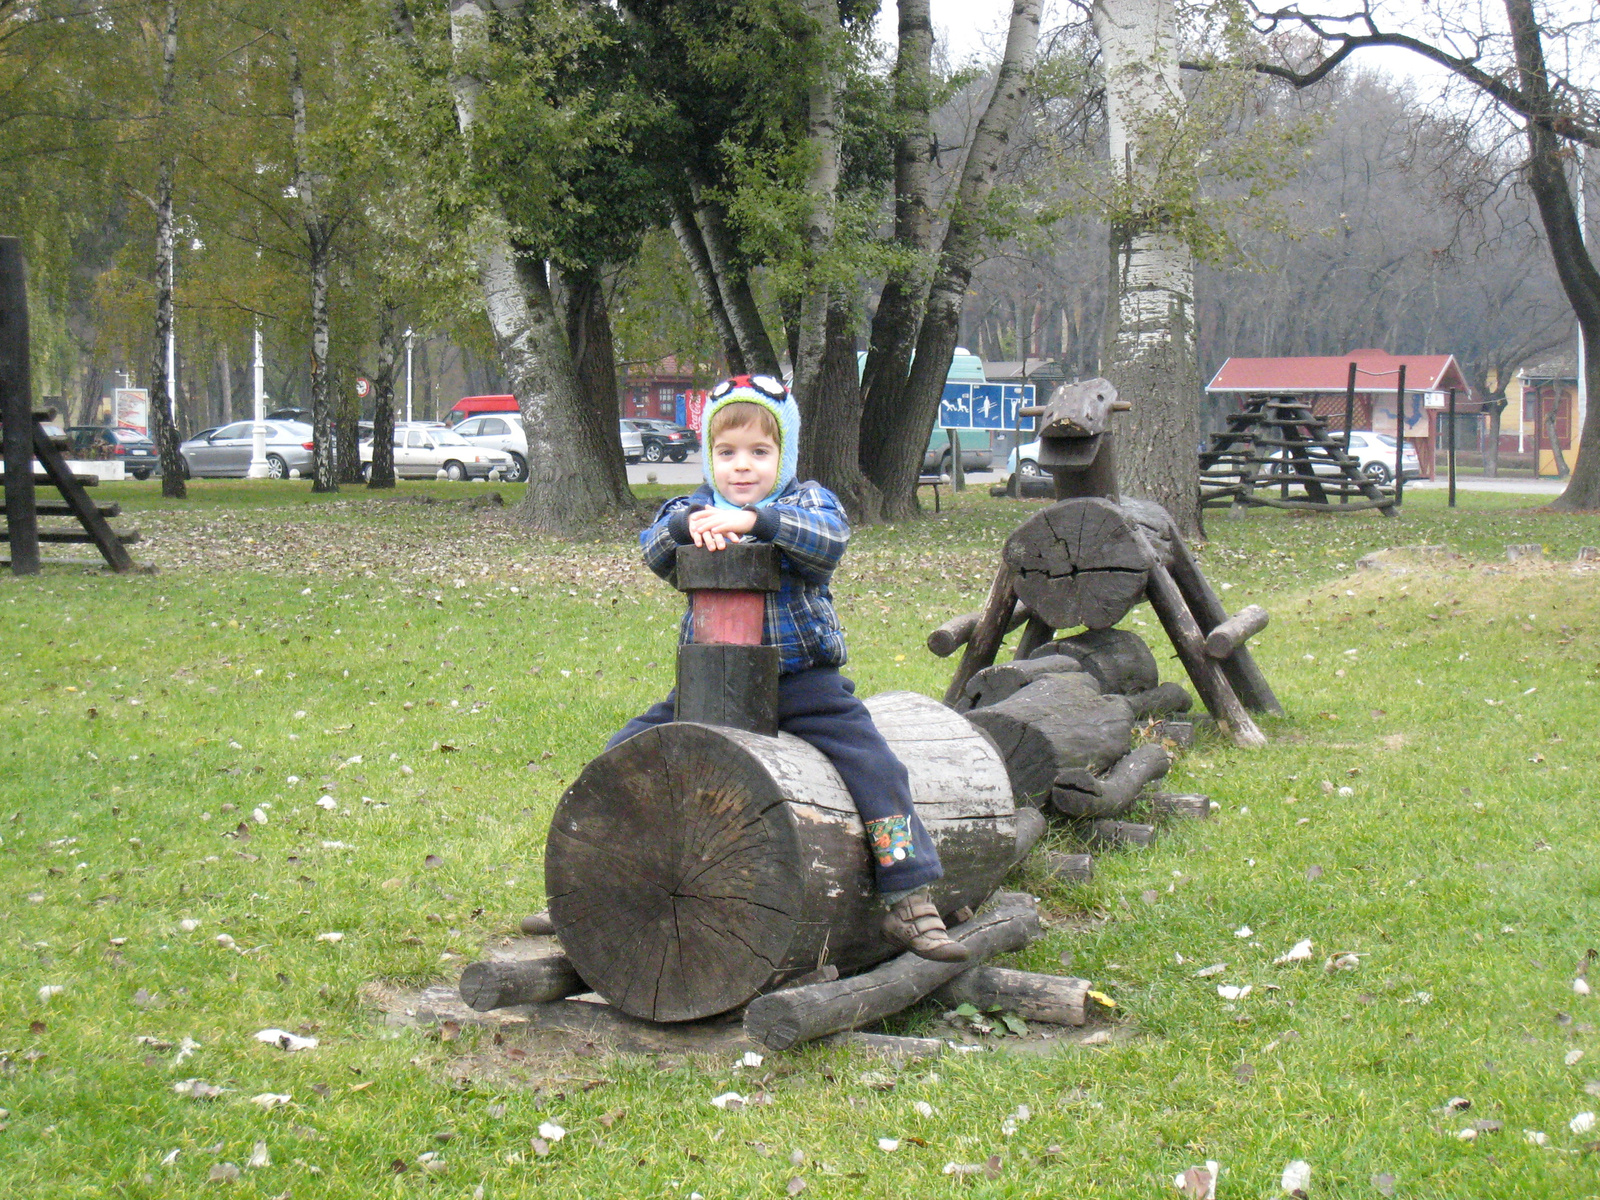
(148, 717)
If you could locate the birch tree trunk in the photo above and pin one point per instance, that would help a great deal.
(172, 483)
(902, 438)
(566, 495)
(308, 193)
(1149, 350)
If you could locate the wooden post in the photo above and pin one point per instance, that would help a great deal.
(1249, 684)
(1451, 443)
(16, 410)
(1400, 434)
(1206, 673)
(987, 634)
(1226, 638)
(725, 675)
(1349, 419)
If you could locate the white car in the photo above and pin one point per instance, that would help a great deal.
(1374, 451)
(422, 451)
(503, 432)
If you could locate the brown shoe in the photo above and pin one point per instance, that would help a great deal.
(913, 922)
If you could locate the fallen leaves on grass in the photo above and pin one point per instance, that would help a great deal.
(1296, 1179)
(728, 1100)
(285, 1040)
(259, 1157)
(271, 1100)
(1582, 1123)
(1341, 961)
(197, 1089)
(1199, 1183)
(1299, 952)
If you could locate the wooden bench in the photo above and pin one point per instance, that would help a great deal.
(935, 482)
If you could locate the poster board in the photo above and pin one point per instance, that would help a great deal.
(1416, 414)
(130, 409)
(985, 406)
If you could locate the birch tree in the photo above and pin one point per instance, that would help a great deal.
(1149, 347)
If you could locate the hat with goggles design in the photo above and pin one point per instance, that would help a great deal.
(771, 395)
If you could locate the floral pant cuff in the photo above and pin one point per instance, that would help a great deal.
(890, 838)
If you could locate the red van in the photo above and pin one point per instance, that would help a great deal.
(471, 406)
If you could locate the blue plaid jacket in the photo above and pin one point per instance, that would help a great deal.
(808, 526)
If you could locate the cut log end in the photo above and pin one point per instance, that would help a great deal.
(669, 853)
(490, 985)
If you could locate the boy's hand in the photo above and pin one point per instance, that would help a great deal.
(710, 526)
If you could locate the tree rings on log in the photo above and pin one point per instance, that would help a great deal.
(692, 867)
(1079, 562)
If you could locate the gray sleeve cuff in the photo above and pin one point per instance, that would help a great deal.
(678, 527)
(766, 527)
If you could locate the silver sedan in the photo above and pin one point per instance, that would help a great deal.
(226, 452)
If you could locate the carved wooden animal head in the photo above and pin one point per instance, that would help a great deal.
(1073, 420)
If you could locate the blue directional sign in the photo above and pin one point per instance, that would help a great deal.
(985, 406)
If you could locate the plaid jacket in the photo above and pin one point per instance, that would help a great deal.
(808, 526)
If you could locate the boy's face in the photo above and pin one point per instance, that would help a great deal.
(744, 464)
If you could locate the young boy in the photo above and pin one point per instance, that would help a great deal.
(752, 438)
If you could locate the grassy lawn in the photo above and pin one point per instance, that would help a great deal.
(1428, 805)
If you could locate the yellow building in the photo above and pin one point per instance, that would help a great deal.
(1543, 413)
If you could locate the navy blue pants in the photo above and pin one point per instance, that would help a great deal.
(819, 706)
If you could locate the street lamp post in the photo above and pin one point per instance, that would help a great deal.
(408, 376)
(258, 434)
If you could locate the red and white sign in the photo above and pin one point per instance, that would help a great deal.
(363, 388)
(130, 409)
(694, 407)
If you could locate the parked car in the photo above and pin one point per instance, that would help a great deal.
(1374, 451)
(975, 452)
(134, 449)
(473, 406)
(632, 442)
(422, 451)
(500, 431)
(225, 452)
(662, 440)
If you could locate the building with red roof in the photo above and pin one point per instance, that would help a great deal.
(1326, 380)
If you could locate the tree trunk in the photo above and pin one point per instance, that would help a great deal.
(225, 380)
(733, 282)
(1491, 449)
(172, 483)
(821, 188)
(381, 473)
(693, 246)
(347, 429)
(894, 324)
(896, 454)
(566, 494)
(830, 420)
(594, 360)
(308, 184)
(1149, 336)
(1547, 179)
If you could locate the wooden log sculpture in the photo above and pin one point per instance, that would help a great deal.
(1089, 558)
(780, 1019)
(725, 675)
(691, 868)
(1054, 726)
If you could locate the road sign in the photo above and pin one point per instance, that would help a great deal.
(985, 406)
(363, 388)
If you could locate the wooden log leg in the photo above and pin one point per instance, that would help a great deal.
(1119, 788)
(1070, 868)
(1192, 806)
(1060, 999)
(957, 631)
(986, 635)
(1207, 674)
(1030, 828)
(1038, 633)
(1106, 832)
(1249, 684)
(488, 985)
(1160, 701)
(782, 1019)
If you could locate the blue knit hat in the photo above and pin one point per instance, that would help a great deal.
(771, 395)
